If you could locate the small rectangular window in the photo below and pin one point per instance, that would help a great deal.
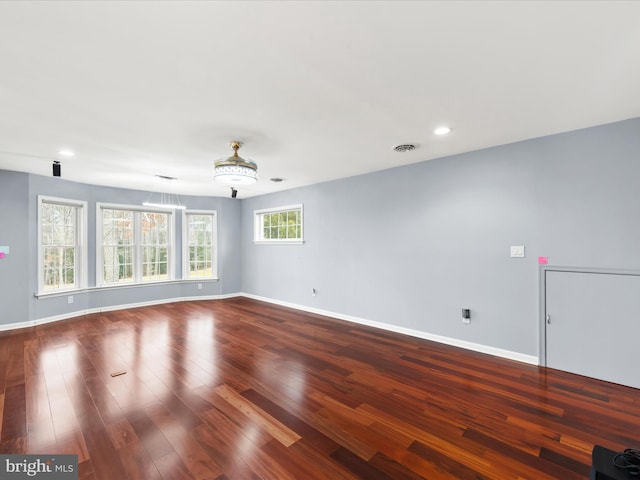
(279, 225)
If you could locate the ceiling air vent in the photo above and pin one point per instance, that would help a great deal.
(404, 148)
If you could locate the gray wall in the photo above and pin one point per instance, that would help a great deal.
(14, 232)
(413, 245)
(18, 271)
(408, 247)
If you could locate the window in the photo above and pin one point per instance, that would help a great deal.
(278, 225)
(199, 237)
(134, 246)
(155, 246)
(61, 245)
(117, 246)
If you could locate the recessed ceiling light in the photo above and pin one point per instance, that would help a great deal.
(442, 130)
(66, 153)
(277, 179)
(404, 148)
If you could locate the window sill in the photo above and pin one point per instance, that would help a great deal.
(278, 242)
(62, 293)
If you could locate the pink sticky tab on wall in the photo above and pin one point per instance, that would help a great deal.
(542, 260)
(1, 254)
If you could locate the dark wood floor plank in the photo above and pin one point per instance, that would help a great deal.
(92, 440)
(65, 423)
(258, 416)
(85, 471)
(15, 364)
(104, 458)
(322, 463)
(358, 466)
(14, 416)
(171, 467)
(194, 458)
(241, 389)
(564, 461)
(312, 436)
(39, 422)
(1, 412)
(240, 445)
(149, 434)
(513, 453)
(137, 462)
(448, 447)
(286, 456)
(220, 452)
(393, 468)
(121, 434)
(452, 466)
(233, 422)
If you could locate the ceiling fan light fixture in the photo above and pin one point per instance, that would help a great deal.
(235, 170)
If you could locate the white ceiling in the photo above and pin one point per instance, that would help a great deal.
(315, 90)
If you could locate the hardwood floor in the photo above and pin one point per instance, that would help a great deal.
(239, 389)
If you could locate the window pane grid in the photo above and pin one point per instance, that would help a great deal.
(59, 244)
(200, 245)
(155, 248)
(117, 264)
(59, 267)
(154, 263)
(117, 243)
(135, 246)
(282, 225)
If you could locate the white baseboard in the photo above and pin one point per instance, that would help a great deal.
(498, 352)
(88, 311)
(476, 347)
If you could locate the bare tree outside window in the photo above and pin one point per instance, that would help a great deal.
(155, 246)
(59, 245)
(117, 246)
(200, 241)
(135, 246)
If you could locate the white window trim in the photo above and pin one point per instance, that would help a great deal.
(137, 265)
(81, 269)
(185, 245)
(257, 226)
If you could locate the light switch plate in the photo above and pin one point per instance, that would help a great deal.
(517, 251)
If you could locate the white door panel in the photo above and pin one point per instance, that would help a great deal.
(593, 326)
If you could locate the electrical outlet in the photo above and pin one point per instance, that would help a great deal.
(70, 299)
(199, 286)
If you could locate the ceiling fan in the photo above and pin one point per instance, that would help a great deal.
(235, 170)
